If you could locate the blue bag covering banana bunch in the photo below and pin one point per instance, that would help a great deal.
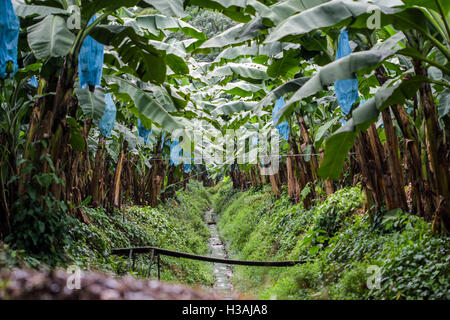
(33, 82)
(283, 127)
(108, 119)
(90, 61)
(346, 89)
(176, 153)
(143, 132)
(9, 31)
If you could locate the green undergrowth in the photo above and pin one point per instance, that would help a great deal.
(177, 224)
(346, 253)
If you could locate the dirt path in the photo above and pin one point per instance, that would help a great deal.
(223, 273)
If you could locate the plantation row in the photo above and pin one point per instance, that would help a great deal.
(93, 91)
(346, 255)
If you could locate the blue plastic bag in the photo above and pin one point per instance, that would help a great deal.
(175, 152)
(283, 127)
(346, 89)
(9, 31)
(33, 81)
(187, 166)
(143, 132)
(108, 119)
(176, 155)
(90, 61)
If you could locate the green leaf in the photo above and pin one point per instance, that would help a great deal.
(444, 103)
(86, 201)
(231, 53)
(261, 51)
(234, 35)
(160, 22)
(92, 103)
(25, 11)
(285, 67)
(313, 250)
(90, 7)
(161, 95)
(282, 10)
(336, 151)
(343, 68)
(387, 95)
(233, 107)
(50, 38)
(243, 89)
(287, 87)
(129, 136)
(170, 8)
(177, 64)
(247, 71)
(430, 4)
(136, 51)
(76, 138)
(149, 109)
(323, 129)
(41, 226)
(329, 14)
(238, 10)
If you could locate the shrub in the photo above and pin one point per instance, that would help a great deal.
(176, 224)
(40, 223)
(352, 283)
(416, 263)
(338, 242)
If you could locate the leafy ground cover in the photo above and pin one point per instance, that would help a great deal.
(348, 254)
(177, 224)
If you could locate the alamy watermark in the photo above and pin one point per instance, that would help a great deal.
(74, 20)
(374, 280)
(233, 147)
(374, 20)
(74, 280)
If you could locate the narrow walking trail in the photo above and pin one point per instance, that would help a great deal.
(223, 273)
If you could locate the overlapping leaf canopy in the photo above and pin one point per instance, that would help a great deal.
(275, 49)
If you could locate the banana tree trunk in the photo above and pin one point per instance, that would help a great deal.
(153, 185)
(274, 184)
(293, 186)
(307, 140)
(185, 180)
(97, 177)
(118, 173)
(5, 226)
(394, 180)
(436, 152)
(393, 160)
(369, 172)
(48, 130)
(329, 188)
(253, 177)
(422, 202)
(235, 179)
(301, 169)
(263, 177)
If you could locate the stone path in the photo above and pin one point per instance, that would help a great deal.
(223, 273)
